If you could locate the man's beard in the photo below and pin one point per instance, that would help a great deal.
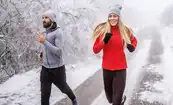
(47, 25)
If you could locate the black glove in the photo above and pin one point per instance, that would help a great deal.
(130, 47)
(107, 37)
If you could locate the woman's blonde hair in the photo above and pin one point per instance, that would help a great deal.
(105, 27)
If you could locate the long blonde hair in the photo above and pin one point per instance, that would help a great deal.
(105, 27)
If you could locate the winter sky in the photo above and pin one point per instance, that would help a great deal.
(151, 9)
(149, 5)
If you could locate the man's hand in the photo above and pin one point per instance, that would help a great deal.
(41, 38)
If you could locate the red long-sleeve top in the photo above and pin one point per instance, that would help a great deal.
(113, 52)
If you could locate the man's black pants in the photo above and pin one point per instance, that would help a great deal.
(57, 76)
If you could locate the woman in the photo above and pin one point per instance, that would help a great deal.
(113, 37)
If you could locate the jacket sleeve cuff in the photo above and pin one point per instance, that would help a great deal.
(45, 43)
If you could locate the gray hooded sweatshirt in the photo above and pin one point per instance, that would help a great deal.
(52, 47)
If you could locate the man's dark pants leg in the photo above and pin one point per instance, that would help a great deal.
(57, 76)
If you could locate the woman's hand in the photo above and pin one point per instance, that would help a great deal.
(107, 37)
(130, 47)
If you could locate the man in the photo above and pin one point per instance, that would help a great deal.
(53, 68)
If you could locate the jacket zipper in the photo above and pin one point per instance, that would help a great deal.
(46, 54)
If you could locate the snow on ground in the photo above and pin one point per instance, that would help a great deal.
(162, 91)
(24, 89)
(133, 70)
